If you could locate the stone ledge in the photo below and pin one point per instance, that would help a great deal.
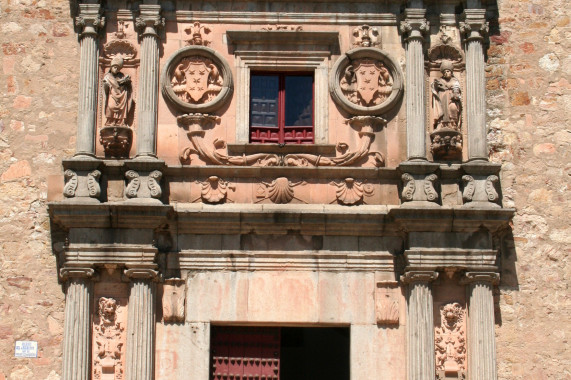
(328, 261)
(110, 254)
(443, 258)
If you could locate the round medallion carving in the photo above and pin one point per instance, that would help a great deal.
(366, 81)
(196, 79)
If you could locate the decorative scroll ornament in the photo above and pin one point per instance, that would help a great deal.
(366, 81)
(279, 191)
(450, 342)
(491, 182)
(196, 79)
(153, 184)
(429, 190)
(469, 188)
(365, 36)
(133, 183)
(93, 184)
(215, 190)
(197, 123)
(195, 31)
(108, 337)
(409, 187)
(70, 183)
(350, 191)
(173, 300)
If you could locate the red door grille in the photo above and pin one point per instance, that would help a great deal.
(245, 353)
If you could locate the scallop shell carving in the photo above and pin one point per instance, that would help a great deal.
(281, 190)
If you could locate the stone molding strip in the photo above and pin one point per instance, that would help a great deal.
(118, 254)
(225, 17)
(439, 258)
(325, 261)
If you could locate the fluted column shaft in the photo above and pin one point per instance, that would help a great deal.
(89, 21)
(148, 24)
(77, 324)
(474, 28)
(141, 325)
(414, 26)
(420, 325)
(481, 325)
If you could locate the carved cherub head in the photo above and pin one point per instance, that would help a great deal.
(107, 310)
(452, 314)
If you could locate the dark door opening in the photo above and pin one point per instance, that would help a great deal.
(279, 353)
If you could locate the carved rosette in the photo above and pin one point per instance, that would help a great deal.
(108, 341)
(196, 79)
(450, 343)
(366, 81)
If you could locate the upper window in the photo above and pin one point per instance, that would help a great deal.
(281, 108)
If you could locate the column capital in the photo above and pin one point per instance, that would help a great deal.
(414, 26)
(67, 273)
(474, 26)
(149, 21)
(418, 277)
(141, 274)
(89, 21)
(491, 278)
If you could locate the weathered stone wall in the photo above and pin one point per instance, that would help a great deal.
(529, 102)
(529, 99)
(38, 80)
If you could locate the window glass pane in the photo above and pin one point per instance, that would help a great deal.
(264, 91)
(298, 100)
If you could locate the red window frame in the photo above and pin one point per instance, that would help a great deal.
(286, 134)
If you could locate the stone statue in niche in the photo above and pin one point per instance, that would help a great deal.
(446, 99)
(366, 82)
(196, 80)
(118, 94)
(108, 339)
(450, 341)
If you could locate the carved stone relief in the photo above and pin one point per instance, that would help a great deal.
(446, 106)
(196, 124)
(351, 191)
(387, 303)
(276, 27)
(151, 182)
(109, 341)
(196, 79)
(86, 184)
(450, 343)
(279, 191)
(174, 300)
(366, 81)
(419, 187)
(197, 33)
(480, 188)
(214, 190)
(366, 36)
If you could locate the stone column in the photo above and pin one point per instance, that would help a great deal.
(149, 22)
(481, 323)
(141, 324)
(474, 29)
(420, 325)
(77, 324)
(414, 27)
(89, 21)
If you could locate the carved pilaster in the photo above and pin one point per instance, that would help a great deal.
(141, 324)
(77, 324)
(148, 23)
(481, 324)
(420, 325)
(89, 22)
(414, 27)
(474, 28)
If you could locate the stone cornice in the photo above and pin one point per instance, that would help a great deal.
(109, 254)
(454, 258)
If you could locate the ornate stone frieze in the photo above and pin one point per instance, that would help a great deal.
(450, 343)
(214, 190)
(277, 27)
(197, 79)
(366, 81)
(366, 36)
(196, 34)
(109, 341)
(197, 123)
(387, 303)
(351, 192)
(174, 300)
(279, 191)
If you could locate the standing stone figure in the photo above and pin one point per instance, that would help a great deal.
(446, 99)
(118, 91)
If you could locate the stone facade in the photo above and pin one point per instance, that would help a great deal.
(113, 256)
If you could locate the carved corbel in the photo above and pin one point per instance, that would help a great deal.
(174, 295)
(481, 188)
(420, 188)
(387, 303)
(82, 184)
(143, 184)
